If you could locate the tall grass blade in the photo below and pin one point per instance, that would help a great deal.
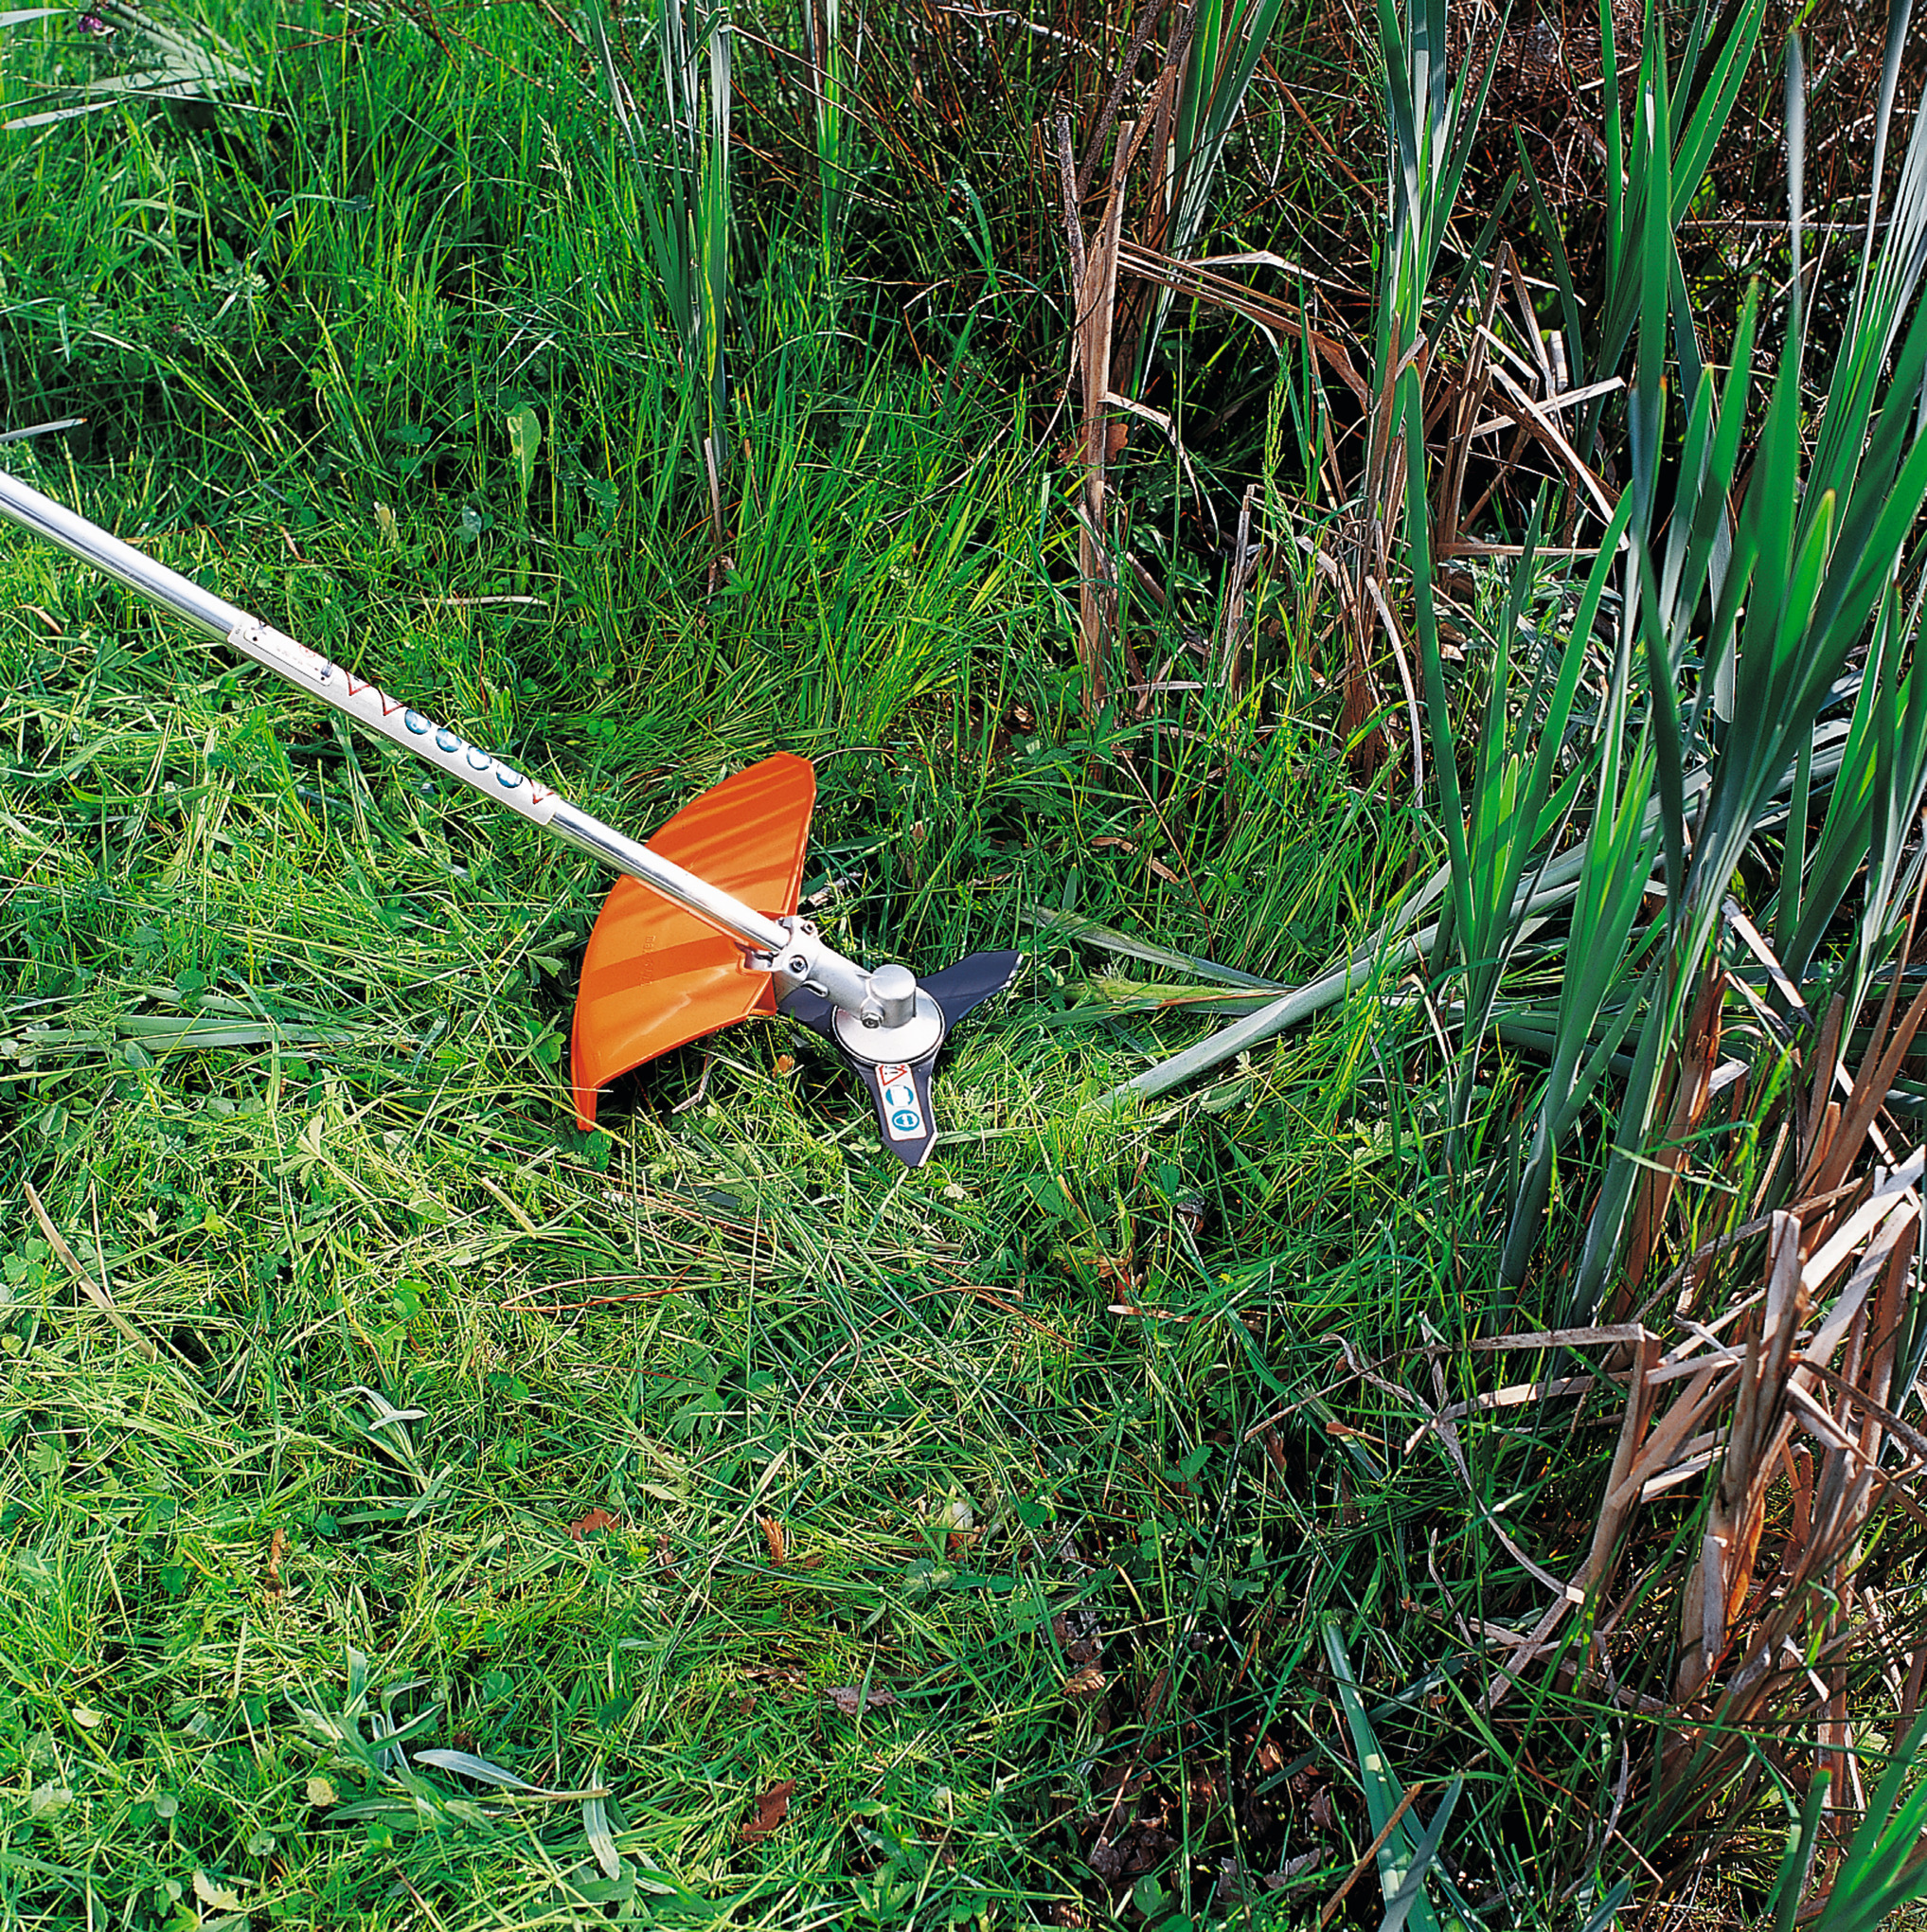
(1223, 45)
(1404, 1850)
(1400, 1904)
(682, 165)
(833, 60)
(1803, 1841)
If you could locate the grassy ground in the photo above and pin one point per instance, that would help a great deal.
(707, 1456)
(417, 1513)
(283, 1057)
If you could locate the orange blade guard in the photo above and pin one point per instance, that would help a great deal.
(655, 976)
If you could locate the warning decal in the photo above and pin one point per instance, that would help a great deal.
(902, 1113)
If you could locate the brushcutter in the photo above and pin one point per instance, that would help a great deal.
(703, 928)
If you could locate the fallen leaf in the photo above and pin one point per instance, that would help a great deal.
(595, 1520)
(850, 1698)
(1154, 1699)
(1122, 844)
(217, 1898)
(321, 1792)
(86, 1718)
(1165, 872)
(1088, 1682)
(770, 1811)
(773, 1535)
(277, 1548)
(787, 1679)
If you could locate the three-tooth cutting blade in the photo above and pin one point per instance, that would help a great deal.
(900, 1090)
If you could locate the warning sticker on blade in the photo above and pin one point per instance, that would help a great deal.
(902, 1113)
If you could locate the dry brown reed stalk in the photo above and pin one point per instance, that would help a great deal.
(1476, 384)
(1784, 1616)
(1692, 1088)
(1091, 349)
(1164, 138)
(1106, 330)
(1786, 1407)
(1202, 280)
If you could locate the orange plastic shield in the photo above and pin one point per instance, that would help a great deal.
(655, 976)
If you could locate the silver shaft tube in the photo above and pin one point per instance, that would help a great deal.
(795, 950)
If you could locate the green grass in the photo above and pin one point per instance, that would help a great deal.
(692, 1321)
(468, 1520)
(281, 1050)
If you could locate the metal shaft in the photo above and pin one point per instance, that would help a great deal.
(790, 948)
